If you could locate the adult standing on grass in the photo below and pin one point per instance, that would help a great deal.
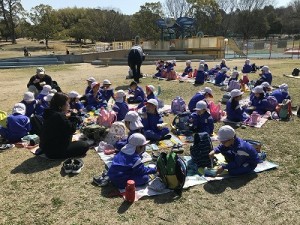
(136, 57)
(37, 81)
(58, 129)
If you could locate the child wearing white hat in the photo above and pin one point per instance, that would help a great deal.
(201, 119)
(204, 94)
(281, 93)
(75, 104)
(30, 102)
(106, 90)
(241, 157)
(235, 112)
(221, 76)
(152, 121)
(247, 68)
(127, 164)
(18, 124)
(188, 69)
(265, 75)
(43, 104)
(258, 101)
(46, 90)
(120, 106)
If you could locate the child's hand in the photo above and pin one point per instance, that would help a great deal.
(220, 170)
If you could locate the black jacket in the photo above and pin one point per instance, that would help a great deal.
(56, 133)
(46, 78)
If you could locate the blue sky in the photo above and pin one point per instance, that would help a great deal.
(125, 6)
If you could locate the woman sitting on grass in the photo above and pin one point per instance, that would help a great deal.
(58, 129)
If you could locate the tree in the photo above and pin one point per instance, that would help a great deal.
(177, 8)
(10, 11)
(46, 23)
(144, 21)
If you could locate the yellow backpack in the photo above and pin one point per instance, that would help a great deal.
(3, 118)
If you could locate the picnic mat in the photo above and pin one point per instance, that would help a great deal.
(156, 187)
(291, 76)
(166, 108)
(260, 123)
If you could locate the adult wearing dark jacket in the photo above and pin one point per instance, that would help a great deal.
(135, 60)
(58, 129)
(38, 80)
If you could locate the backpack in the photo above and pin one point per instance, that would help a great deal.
(272, 103)
(172, 170)
(256, 144)
(3, 118)
(215, 111)
(178, 105)
(180, 124)
(225, 98)
(296, 72)
(95, 132)
(116, 132)
(200, 149)
(284, 109)
(233, 84)
(106, 118)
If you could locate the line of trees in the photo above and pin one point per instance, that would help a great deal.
(242, 18)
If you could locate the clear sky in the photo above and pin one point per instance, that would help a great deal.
(125, 6)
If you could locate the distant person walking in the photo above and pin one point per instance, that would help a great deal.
(26, 52)
(135, 60)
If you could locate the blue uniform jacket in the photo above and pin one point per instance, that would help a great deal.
(261, 105)
(95, 102)
(280, 95)
(107, 93)
(196, 98)
(200, 77)
(202, 123)
(239, 153)
(127, 165)
(220, 77)
(150, 123)
(121, 108)
(267, 77)
(187, 70)
(138, 93)
(18, 126)
(87, 90)
(76, 105)
(40, 107)
(247, 68)
(237, 114)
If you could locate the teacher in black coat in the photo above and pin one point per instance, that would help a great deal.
(135, 60)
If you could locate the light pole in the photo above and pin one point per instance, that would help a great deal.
(226, 47)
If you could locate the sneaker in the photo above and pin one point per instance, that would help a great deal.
(101, 181)
(262, 156)
(68, 166)
(6, 146)
(77, 166)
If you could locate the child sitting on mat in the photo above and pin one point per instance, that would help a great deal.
(30, 103)
(120, 106)
(137, 92)
(258, 101)
(106, 90)
(201, 119)
(75, 104)
(235, 112)
(127, 164)
(204, 94)
(241, 157)
(95, 99)
(18, 125)
(152, 121)
(188, 69)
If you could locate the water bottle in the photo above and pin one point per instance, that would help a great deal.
(130, 191)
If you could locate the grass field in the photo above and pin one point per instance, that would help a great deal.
(34, 191)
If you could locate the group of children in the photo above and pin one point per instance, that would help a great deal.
(145, 123)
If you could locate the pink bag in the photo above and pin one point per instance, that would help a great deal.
(106, 118)
(215, 111)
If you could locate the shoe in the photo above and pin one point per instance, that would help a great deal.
(77, 166)
(68, 166)
(178, 149)
(6, 146)
(101, 180)
(168, 136)
(262, 156)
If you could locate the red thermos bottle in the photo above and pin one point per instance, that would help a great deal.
(130, 191)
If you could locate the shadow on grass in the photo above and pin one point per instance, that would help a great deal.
(123, 87)
(36, 164)
(217, 187)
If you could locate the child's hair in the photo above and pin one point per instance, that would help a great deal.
(133, 83)
(58, 101)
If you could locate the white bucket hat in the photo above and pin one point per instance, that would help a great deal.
(74, 94)
(265, 69)
(49, 97)
(226, 133)
(266, 84)
(19, 108)
(201, 67)
(284, 87)
(153, 102)
(224, 69)
(201, 105)
(46, 90)
(247, 61)
(188, 62)
(258, 89)
(134, 119)
(208, 90)
(91, 79)
(235, 92)
(40, 70)
(94, 84)
(150, 87)
(137, 139)
(28, 96)
(120, 95)
(106, 82)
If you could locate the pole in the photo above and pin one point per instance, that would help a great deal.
(270, 49)
(293, 48)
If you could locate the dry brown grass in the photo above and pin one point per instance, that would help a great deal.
(33, 191)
